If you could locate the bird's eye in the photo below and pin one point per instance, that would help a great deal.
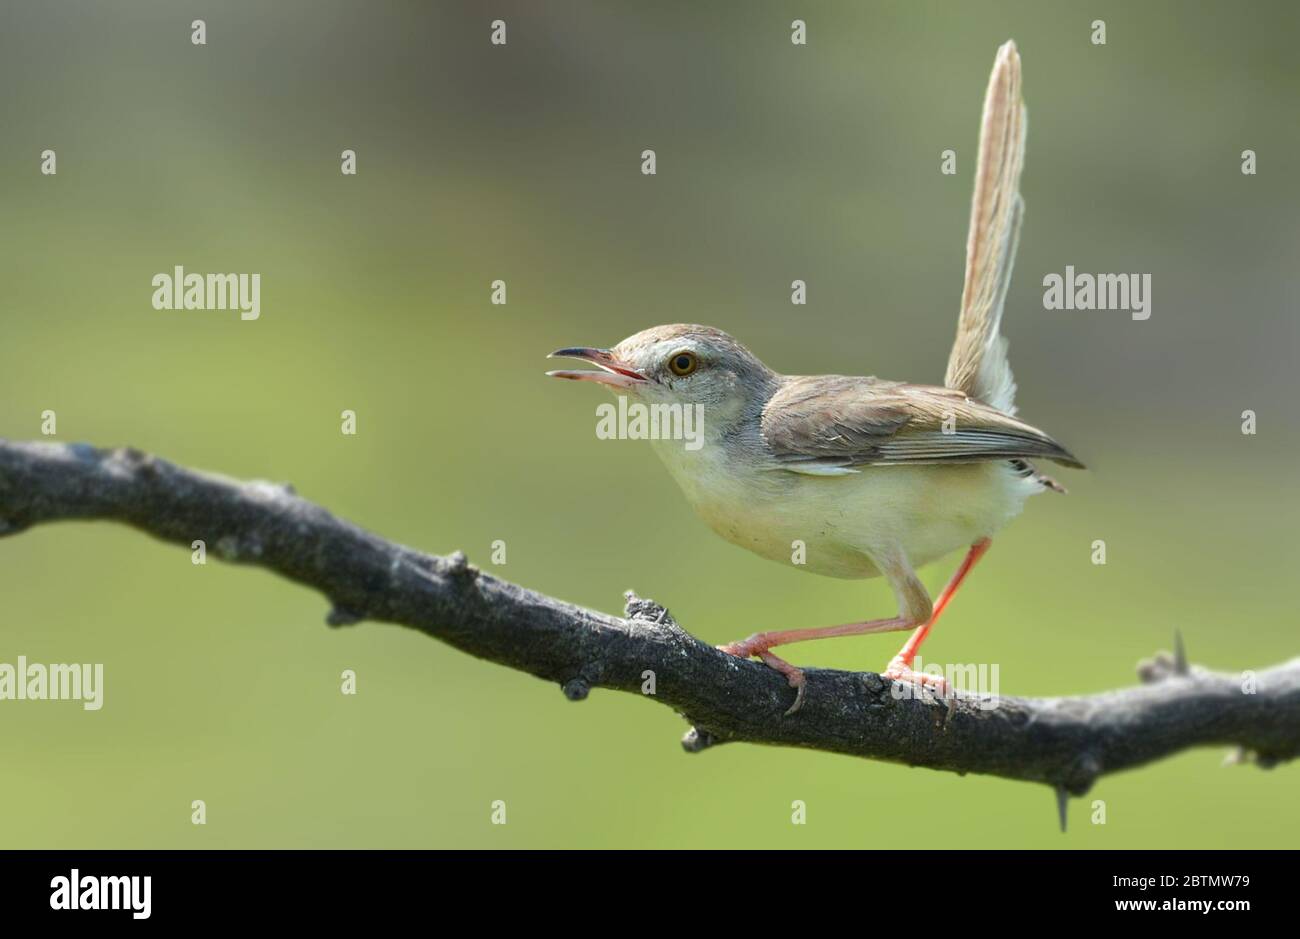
(683, 363)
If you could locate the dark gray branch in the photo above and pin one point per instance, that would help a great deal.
(1065, 742)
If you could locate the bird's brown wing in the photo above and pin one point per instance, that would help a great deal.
(978, 364)
(828, 424)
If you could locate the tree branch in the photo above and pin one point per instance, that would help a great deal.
(1065, 742)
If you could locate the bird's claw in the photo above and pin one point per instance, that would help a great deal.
(799, 685)
(755, 646)
(900, 671)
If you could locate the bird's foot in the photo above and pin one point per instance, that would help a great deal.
(901, 671)
(747, 648)
(757, 646)
(793, 674)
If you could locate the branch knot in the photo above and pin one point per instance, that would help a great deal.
(458, 566)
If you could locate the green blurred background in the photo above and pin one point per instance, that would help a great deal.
(522, 163)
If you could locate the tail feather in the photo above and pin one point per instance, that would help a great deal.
(978, 364)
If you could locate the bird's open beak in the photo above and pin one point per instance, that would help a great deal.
(613, 372)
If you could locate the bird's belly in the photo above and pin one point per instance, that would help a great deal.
(835, 525)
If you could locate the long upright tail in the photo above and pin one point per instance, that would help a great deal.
(978, 363)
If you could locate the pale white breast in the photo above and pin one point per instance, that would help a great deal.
(842, 521)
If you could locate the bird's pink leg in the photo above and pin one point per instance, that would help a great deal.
(759, 643)
(900, 668)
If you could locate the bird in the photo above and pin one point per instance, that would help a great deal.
(875, 478)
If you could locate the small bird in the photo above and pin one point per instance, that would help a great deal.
(874, 477)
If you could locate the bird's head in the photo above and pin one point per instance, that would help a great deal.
(680, 364)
